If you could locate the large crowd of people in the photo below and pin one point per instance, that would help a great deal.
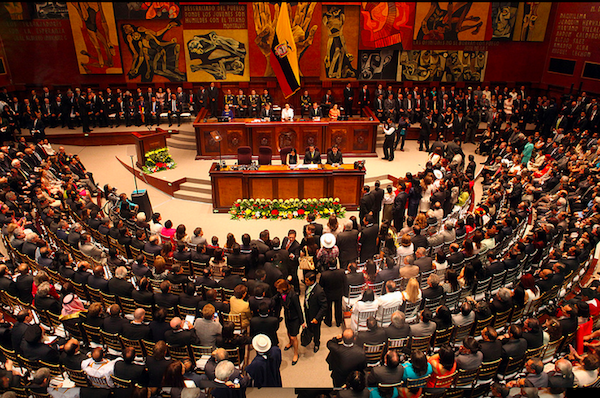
(96, 288)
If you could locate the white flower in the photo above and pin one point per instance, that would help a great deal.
(239, 201)
(295, 214)
(257, 214)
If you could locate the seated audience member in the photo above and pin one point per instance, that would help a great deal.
(366, 303)
(469, 356)
(490, 346)
(127, 369)
(136, 329)
(398, 328)
(157, 364)
(425, 327)
(158, 325)
(417, 367)
(179, 336)
(207, 327)
(373, 335)
(355, 386)
(391, 372)
(99, 369)
(442, 363)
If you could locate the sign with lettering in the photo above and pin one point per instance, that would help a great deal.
(576, 32)
(221, 16)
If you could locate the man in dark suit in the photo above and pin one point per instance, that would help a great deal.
(389, 273)
(178, 336)
(379, 108)
(348, 99)
(44, 301)
(213, 97)
(312, 155)
(344, 357)
(315, 111)
(455, 256)
(423, 261)
(425, 132)
(334, 156)
(71, 357)
(388, 373)
(118, 285)
(419, 240)
(152, 246)
(24, 283)
(365, 205)
(97, 281)
(514, 345)
(23, 320)
(364, 97)
(399, 207)
(327, 102)
(315, 306)
(153, 110)
(332, 281)
(368, 239)
(136, 329)
(34, 349)
(264, 323)
(373, 335)
(377, 195)
(266, 112)
(347, 243)
(174, 107)
(114, 322)
(491, 347)
(318, 227)
(434, 290)
(165, 298)
(128, 370)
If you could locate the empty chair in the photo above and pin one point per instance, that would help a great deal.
(244, 154)
(265, 155)
(283, 152)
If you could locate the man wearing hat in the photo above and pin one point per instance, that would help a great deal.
(332, 279)
(264, 368)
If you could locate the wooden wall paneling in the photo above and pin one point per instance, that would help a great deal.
(310, 135)
(341, 135)
(235, 137)
(263, 135)
(286, 136)
(362, 140)
(227, 191)
(347, 188)
(261, 188)
(288, 188)
(314, 187)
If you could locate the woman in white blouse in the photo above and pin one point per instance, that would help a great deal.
(287, 114)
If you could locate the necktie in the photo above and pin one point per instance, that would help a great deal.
(289, 243)
(173, 105)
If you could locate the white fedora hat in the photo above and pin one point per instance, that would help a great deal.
(328, 240)
(261, 343)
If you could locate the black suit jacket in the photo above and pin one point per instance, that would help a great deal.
(265, 325)
(120, 287)
(113, 324)
(130, 371)
(166, 300)
(134, 331)
(332, 282)
(344, 360)
(368, 241)
(385, 375)
(312, 158)
(316, 112)
(317, 304)
(492, 350)
(347, 242)
(365, 204)
(39, 351)
(181, 338)
(318, 229)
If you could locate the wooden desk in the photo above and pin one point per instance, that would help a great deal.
(355, 137)
(280, 182)
(146, 141)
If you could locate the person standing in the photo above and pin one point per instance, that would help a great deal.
(292, 313)
(390, 136)
(364, 98)
(315, 305)
(344, 357)
(264, 368)
(377, 194)
(213, 96)
(332, 280)
(348, 99)
(425, 132)
(403, 125)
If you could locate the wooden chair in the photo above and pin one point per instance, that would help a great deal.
(227, 294)
(411, 310)
(501, 318)
(481, 288)
(81, 291)
(420, 343)
(462, 331)
(593, 384)
(185, 266)
(423, 278)
(432, 304)
(452, 299)
(112, 342)
(28, 364)
(94, 295)
(442, 337)
(236, 319)
(373, 352)
(9, 354)
(121, 383)
(55, 369)
(148, 347)
(178, 353)
(185, 311)
(513, 367)
(127, 305)
(535, 352)
(108, 299)
(445, 381)
(420, 382)
(135, 252)
(516, 315)
(235, 357)
(199, 352)
(149, 257)
(481, 324)
(136, 344)
(73, 330)
(488, 371)
(568, 339)
(551, 350)
(91, 334)
(21, 392)
(148, 316)
(398, 344)
(466, 378)
(377, 288)
(54, 320)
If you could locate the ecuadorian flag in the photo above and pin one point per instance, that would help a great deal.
(284, 59)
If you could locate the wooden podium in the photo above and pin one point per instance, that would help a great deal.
(146, 141)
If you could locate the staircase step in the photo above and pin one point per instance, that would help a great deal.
(181, 145)
(199, 181)
(183, 138)
(194, 196)
(194, 187)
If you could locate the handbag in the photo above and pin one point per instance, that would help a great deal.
(306, 263)
(306, 337)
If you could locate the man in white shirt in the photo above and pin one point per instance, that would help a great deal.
(391, 299)
(287, 114)
(99, 369)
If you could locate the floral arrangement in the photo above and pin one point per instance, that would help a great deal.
(278, 209)
(158, 160)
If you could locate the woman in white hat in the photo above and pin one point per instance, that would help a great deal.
(329, 252)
